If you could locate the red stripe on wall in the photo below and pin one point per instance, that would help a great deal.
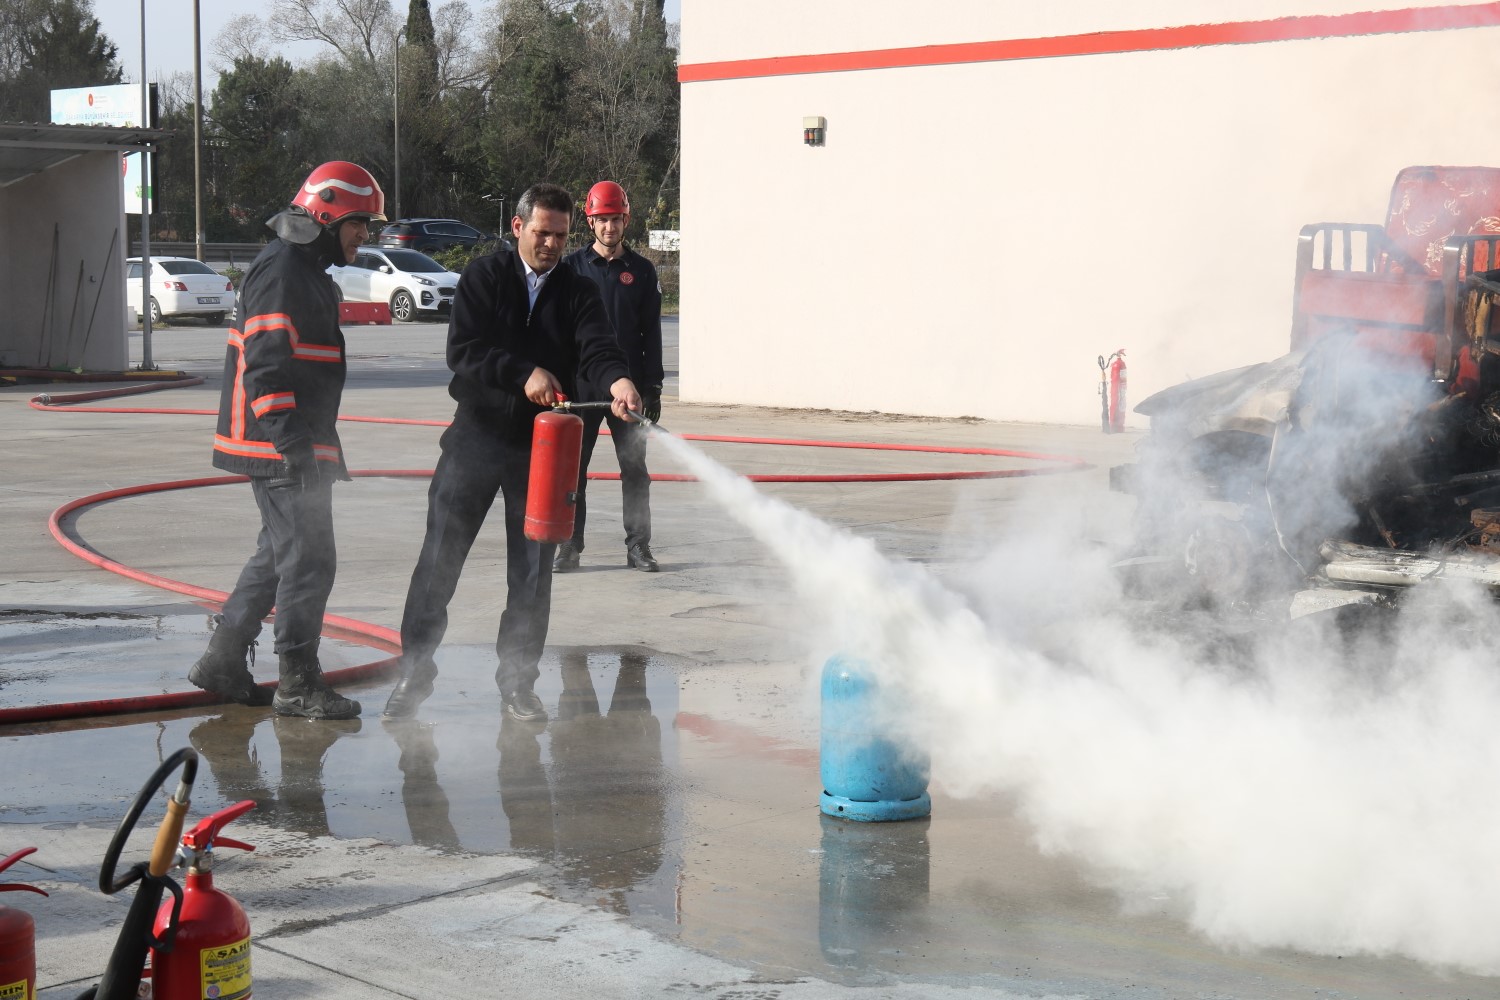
(1284, 29)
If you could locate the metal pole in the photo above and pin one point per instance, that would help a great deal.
(396, 125)
(146, 363)
(197, 134)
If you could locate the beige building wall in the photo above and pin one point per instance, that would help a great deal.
(67, 310)
(973, 236)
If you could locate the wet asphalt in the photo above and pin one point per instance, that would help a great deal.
(658, 836)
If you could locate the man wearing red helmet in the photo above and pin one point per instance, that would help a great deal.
(283, 377)
(632, 298)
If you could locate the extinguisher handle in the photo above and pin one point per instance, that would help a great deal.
(18, 886)
(7, 862)
(237, 844)
(206, 833)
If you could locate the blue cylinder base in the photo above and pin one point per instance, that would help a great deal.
(875, 812)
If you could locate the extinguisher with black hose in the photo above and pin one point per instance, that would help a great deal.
(17, 939)
(210, 952)
(122, 976)
(1112, 392)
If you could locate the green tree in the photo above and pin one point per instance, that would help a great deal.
(50, 45)
(256, 110)
(623, 107)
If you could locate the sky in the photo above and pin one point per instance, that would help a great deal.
(169, 32)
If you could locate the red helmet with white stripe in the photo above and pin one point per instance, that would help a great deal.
(338, 190)
(606, 198)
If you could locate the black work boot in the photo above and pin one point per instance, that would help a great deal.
(224, 669)
(304, 692)
(411, 690)
(566, 558)
(638, 556)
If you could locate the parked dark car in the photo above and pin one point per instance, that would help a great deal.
(431, 235)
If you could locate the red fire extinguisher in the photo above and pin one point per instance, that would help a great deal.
(208, 934)
(17, 939)
(552, 490)
(1112, 392)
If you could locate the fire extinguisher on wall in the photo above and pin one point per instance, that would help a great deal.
(1112, 392)
(209, 934)
(17, 939)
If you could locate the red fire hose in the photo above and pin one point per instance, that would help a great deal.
(376, 636)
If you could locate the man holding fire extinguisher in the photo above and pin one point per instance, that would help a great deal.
(525, 331)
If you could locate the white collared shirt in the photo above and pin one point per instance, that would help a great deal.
(534, 283)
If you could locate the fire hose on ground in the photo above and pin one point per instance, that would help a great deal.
(376, 636)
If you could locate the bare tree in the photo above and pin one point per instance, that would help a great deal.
(356, 29)
(619, 88)
(243, 37)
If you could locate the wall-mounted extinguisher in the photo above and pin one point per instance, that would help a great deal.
(1112, 392)
(209, 934)
(552, 489)
(17, 939)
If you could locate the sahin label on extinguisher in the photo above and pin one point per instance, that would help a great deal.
(225, 971)
(15, 991)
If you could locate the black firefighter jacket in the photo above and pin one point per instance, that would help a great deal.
(283, 368)
(632, 299)
(496, 340)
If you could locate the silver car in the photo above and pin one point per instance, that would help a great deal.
(410, 282)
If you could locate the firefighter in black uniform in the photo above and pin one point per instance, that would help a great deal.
(525, 328)
(283, 376)
(632, 297)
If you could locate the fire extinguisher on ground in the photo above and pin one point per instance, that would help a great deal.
(1112, 392)
(209, 955)
(17, 939)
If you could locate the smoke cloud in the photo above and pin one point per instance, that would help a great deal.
(1283, 784)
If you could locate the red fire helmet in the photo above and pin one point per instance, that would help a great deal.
(339, 189)
(606, 198)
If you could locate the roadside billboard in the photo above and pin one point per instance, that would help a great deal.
(118, 105)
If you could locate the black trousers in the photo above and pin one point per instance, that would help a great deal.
(292, 568)
(635, 480)
(477, 462)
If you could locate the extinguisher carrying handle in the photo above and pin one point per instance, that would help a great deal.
(18, 886)
(205, 835)
(640, 418)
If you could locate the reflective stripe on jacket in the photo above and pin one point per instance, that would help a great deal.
(283, 366)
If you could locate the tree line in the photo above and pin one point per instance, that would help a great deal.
(488, 101)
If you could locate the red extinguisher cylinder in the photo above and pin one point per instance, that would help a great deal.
(210, 955)
(1117, 392)
(552, 489)
(17, 939)
(17, 954)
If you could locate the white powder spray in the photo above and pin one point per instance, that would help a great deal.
(1315, 795)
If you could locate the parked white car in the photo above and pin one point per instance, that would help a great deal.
(410, 282)
(180, 286)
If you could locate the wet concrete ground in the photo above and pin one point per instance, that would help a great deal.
(658, 836)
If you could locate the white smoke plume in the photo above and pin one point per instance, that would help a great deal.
(1286, 787)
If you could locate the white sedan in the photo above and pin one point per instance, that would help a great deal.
(410, 282)
(180, 286)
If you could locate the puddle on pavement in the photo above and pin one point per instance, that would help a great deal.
(682, 797)
(615, 798)
(53, 656)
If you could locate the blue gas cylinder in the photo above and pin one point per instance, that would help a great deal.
(866, 777)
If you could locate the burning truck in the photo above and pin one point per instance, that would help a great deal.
(1366, 460)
